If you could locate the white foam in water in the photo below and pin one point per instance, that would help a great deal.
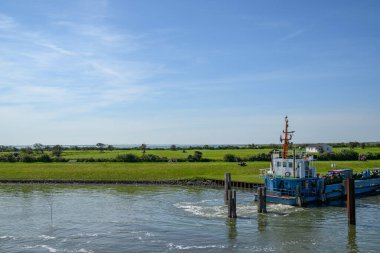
(283, 209)
(184, 247)
(50, 249)
(206, 211)
(248, 209)
(53, 250)
(7, 237)
(84, 251)
(89, 234)
(46, 237)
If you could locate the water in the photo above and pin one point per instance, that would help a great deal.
(172, 219)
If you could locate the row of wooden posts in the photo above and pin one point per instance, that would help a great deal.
(230, 199)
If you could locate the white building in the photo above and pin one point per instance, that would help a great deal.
(318, 147)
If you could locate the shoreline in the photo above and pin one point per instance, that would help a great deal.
(183, 182)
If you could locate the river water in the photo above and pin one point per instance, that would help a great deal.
(68, 218)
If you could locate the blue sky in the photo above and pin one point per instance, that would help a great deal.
(188, 72)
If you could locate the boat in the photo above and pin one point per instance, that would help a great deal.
(292, 178)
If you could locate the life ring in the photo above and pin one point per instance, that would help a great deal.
(287, 174)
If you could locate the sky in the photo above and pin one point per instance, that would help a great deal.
(188, 72)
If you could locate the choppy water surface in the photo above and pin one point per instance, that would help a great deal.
(172, 219)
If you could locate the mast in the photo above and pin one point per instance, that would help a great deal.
(287, 137)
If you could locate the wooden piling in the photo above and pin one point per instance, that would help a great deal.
(232, 204)
(227, 186)
(350, 191)
(262, 200)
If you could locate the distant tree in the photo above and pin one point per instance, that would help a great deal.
(197, 155)
(173, 147)
(206, 147)
(39, 148)
(353, 144)
(110, 147)
(27, 150)
(143, 148)
(101, 146)
(57, 150)
(363, 145)
(252, 146)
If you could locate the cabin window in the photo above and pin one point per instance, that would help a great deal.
(290, 164)
(278, 164)
(284, 164)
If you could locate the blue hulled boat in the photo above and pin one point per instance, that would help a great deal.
(292, 178)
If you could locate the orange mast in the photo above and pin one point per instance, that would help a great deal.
(288, 136)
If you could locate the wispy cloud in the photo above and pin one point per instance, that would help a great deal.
(292, 35)
(6, 22)
(76, 69)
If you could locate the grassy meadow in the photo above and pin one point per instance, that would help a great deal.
(152, 171)
(359, 150)
(213, 154)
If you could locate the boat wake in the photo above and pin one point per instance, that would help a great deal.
(247, 210)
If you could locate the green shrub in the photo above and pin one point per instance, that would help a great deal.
(44, 158)
(230, 158)
(127, 158)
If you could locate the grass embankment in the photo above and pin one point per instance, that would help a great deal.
(151, 171)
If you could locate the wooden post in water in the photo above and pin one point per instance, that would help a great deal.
(259, 194)
(227, 186)
(350, 191)
(262, 200)
(232, 204)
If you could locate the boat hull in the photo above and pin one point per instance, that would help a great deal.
(330, 192)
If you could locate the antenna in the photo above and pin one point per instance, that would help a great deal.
(288, 135)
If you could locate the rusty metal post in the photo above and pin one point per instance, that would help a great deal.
(350, 191)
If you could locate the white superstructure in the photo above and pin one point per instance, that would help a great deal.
(302, 167)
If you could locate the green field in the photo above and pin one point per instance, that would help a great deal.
(359, 150)
(151, 171)
(216, 154)
(212, 154)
